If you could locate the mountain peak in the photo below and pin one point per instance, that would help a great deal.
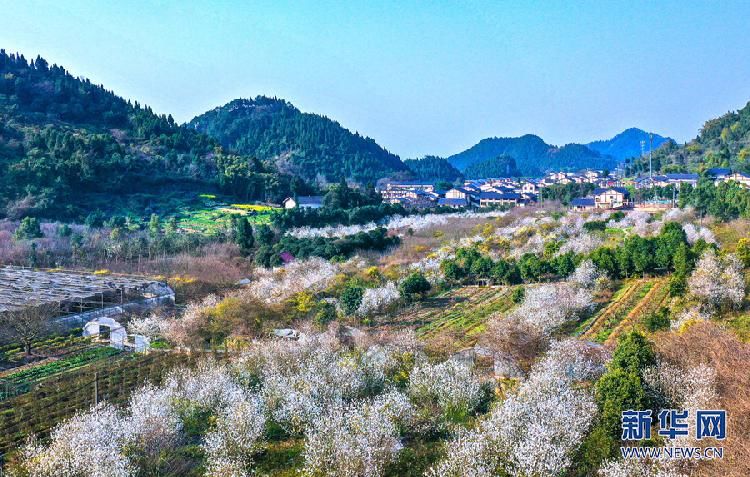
(309, 145)
(627, 144)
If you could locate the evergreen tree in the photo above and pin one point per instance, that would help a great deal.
(243, 234)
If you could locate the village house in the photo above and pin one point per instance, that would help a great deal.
(487, 199)
(739, 177)
(611, 198)
(455, 203)
(530, 188)
(718, 174)
(303, 202)
(663, 180)
(416, 198)
(399, 192)
(459, 193)
(583, 203)
(593, 176)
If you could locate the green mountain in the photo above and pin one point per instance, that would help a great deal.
(308, 145)
(68, 146)
(722, 142)
(532, 155)
(627, 144)
(500, 166)
(433, 168)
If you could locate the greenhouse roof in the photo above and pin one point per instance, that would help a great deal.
(20, 287)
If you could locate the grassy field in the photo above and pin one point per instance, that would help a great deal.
(211, 214)
(740, 326)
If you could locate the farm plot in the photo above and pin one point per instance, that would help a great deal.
(61, 396)
(650, 303)
(213, 216)
(20, 381)
(622, 303)
(12, 355)
(464, 310)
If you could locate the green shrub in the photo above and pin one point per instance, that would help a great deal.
(658, 320)
(414, 284)
(518, 295)
(29, 228)
(351, 298)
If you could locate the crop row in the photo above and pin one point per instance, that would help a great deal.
(33, 374)
(620, 309)
(61, 396)
(649, 304)
(467, 316)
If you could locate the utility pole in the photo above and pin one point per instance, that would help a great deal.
(650, 155)
(96, 388)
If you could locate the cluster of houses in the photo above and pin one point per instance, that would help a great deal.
(609, 192)
(476, 193)
(484, 192)
(717, 174)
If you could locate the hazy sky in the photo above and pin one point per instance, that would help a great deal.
(422, 77)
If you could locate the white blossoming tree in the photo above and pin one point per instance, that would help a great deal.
(358, 439)
(530, 432)
(717, 283)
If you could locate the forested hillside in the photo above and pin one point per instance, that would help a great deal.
(68, 145)
(533, 156)
(627, 144)
(308, 145)
(433, 168)
(722, 142)
(500, 166)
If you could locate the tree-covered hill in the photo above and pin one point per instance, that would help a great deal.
(532, 155)
(627, 144)
(433, 168)
(308, 145)
(722, 142)
(500, 166)
(65, 141)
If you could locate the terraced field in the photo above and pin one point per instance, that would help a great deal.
(650, 303)
(464, 310)
(623, 302)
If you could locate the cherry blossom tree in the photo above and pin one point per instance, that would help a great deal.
(377, 300)
(230, 445)
(717, 283)
(452, 385)
(586, 274)
(91, 444)
(358, 439)
(695, 233)
(530, 432)
(153, 325)
(548, 306)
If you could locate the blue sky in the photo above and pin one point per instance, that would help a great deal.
(419, 77)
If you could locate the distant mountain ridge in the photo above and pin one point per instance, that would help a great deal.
(627, 144)
(311, 146)
(533, 156)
